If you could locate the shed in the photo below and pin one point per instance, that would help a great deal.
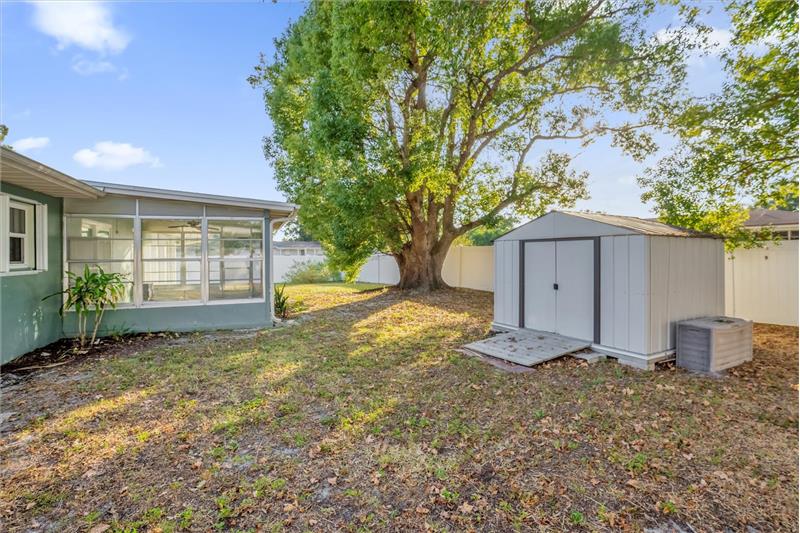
(620, 282)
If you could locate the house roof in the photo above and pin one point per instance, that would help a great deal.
(771, 217)
(23, 171)
(640, 225)
(281, 209)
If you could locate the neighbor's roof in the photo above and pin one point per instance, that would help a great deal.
(640, 225)
(23, 171)
(276, 208)
(296, 244)
(771, 217)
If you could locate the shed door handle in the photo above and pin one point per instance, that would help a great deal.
(555, 286)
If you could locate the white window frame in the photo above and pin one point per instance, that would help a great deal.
(138, 267)
(34, 239)
(67, 260)
(207, 282)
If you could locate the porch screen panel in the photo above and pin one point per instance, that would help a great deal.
(103, 242)
(235, 259)
(171, 251)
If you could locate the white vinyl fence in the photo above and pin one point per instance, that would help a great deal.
(282, 263)
(471, 267)
(760, 284)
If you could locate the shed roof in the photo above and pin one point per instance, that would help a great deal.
(575, 224)
(23, 171)
(640, 225)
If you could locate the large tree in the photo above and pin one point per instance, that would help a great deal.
(738, 147)
(400, 126)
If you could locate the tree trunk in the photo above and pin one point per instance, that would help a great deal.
(420, 264)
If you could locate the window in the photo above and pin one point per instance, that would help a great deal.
(171, 260)
(20, 235)
(171, 251)
(23, 235)
(102, 242)
(235, 259)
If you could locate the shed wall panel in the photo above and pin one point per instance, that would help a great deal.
(638, 297)
(686, 281)
(624, 292)
(621, 293)
(506, 283)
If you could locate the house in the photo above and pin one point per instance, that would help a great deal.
(619, 282)
(192, 261)
(298, 248)
(784, 224)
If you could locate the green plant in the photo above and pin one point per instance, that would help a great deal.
(576, 518)
(281, 300)
(450, 496)
(312, 272)
(95, 290)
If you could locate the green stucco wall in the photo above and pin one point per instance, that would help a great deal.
(27, 322)
(179, 318)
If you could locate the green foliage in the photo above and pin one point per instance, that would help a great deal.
(485, 235)
(739, 146)
(312, 272)
(401, 126)
(3, 132)
(94, 291)
(296, 231)
(281, 300)
(576, 518)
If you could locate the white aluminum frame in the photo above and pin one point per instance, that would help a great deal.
(138, 303)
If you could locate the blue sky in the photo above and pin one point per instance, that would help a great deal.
(155, 94)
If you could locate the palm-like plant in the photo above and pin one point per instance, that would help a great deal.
(94, 290)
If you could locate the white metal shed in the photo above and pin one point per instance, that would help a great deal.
(620, 282)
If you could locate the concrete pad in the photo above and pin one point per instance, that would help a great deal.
(527, 347)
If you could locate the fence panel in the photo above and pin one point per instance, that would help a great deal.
(761, 284)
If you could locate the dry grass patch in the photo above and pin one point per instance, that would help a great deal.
(363, 416)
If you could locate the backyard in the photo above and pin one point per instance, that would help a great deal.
(364, 416)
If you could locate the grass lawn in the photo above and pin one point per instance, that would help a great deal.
(364, 417)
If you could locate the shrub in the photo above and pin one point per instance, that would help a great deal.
(95, 290)
(281, 302)
(312, 272)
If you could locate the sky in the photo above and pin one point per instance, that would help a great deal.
(156, 94)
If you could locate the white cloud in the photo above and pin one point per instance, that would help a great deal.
(88, 25)
(30, 143)
(109, 155)
(87, 67)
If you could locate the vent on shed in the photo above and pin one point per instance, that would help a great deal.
(714, 343)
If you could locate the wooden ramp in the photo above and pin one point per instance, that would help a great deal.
(528, 347)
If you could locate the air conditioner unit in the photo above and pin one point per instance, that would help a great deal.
(712, 344)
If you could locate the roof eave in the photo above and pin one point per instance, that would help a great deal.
(70, 186)
(276, 208)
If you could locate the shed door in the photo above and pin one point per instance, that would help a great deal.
(575, 298)
(540, 274)
(559, 287)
